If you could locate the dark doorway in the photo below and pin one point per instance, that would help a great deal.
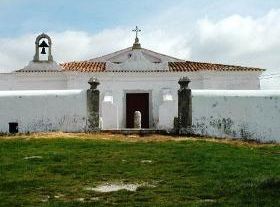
(13, 127)
(137, 102)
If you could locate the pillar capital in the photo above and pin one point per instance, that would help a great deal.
(93, 82)
(184, 82)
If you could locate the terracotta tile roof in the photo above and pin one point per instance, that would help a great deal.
(84, 66)
(189, 66)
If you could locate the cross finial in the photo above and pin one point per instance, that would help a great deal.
(136, 44)
(136, 30)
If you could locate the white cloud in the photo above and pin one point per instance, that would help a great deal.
(240, 40)
(232, 40)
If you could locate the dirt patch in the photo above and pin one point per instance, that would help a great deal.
(131, 138)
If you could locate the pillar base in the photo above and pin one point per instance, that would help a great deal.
(185, 131)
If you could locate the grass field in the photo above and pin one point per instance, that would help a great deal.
(61, 170)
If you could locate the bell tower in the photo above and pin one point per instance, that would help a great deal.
(41, 43)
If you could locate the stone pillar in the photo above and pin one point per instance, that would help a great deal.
(93, 105)
(137, 120)
(184, 107)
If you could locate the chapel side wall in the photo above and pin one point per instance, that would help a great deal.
(222, 80)
(270, 82)
(240, 114)
(35, 111)
(33, 81)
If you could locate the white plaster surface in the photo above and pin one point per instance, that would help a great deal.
(109, 114)
(42, 66)
(48, 110)
(123, 55)
(252, 114)
(33, 81)
(270, 82)
(119, 84)
(167, 110)
(137, 62)
(242, 114)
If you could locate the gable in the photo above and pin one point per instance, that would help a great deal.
(123, 55)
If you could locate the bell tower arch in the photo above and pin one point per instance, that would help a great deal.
(43, 45)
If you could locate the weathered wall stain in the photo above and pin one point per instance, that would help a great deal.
(241, 114)
(223, 124)
(214, 105)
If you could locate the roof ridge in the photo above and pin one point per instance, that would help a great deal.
(164, 55)
(102, 56)
(130, 48)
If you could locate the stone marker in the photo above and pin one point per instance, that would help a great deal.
(184, 107)
(137, 120)
(93, 105)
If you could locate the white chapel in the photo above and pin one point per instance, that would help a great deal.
(131, 78)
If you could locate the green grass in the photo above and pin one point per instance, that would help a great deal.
(184, 173)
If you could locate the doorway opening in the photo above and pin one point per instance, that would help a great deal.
(137, 102)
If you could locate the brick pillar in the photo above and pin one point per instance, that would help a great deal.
(184, 107)
(93, 105)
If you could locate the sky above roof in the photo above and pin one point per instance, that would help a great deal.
(219, 31)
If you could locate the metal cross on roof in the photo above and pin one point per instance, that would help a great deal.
(136, 30)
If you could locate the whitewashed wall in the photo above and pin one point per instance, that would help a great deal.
(49, 110)
(245, 80)
(270, 82)
(247, 114)
(118, 84)
(33, 81)
(243, 114)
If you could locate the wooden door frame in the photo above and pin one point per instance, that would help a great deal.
(150, 105)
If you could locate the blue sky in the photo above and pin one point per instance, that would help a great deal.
(242, 32)
(33, 16)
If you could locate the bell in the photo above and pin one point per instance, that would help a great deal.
(43, 51)
(43, 44)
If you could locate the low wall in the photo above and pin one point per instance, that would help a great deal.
(222, 113)
(48, 110)
(233, 113)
